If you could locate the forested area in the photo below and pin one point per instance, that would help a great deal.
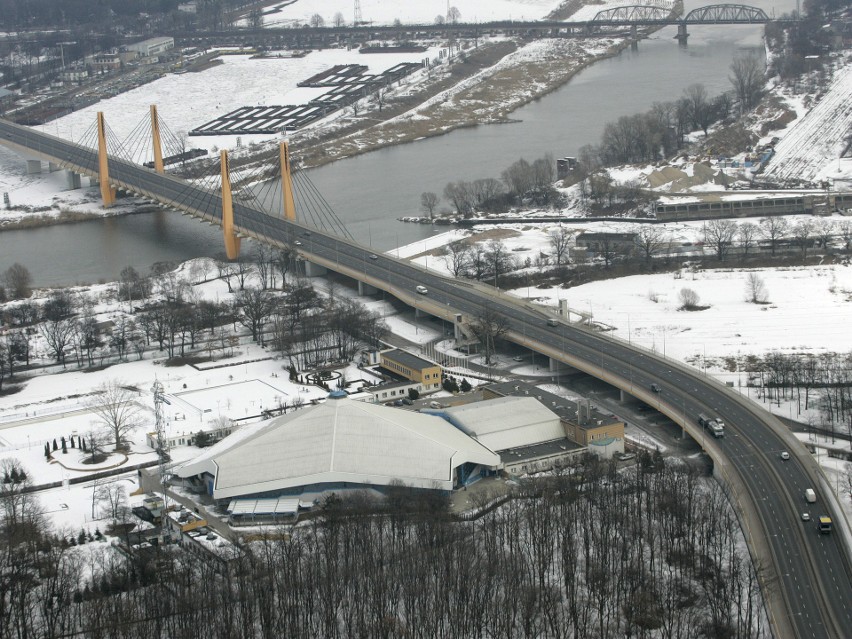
(164, 312)
(653, 551)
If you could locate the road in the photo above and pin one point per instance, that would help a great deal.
(806, 576)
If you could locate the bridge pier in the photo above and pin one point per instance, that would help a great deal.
(682, 35)
(52, 168)
(555, 366)
(366, 289)
(72, 180)
(314, 270)
(33, 167)
(634, 31)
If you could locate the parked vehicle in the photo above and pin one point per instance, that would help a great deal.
(810, 495)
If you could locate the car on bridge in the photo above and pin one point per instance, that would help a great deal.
(421, 289)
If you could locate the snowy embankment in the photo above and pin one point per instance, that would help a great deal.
(811, 149)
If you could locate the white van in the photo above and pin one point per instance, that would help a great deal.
(810, 495)
(421, 289)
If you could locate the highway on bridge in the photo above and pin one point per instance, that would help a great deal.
(806, 577)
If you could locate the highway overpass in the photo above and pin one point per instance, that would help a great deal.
(806, 577)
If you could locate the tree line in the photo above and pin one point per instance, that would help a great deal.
(521, 183)
(590, 552)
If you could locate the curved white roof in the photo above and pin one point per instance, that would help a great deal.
(339, 441)
(507, 422)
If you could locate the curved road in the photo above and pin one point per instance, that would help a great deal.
(806, 577)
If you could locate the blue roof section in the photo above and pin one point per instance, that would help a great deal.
(338, 394)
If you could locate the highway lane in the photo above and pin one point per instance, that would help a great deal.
(810, 570)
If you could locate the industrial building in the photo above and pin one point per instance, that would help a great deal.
(151, 47)
(427, 374)
(601, 433)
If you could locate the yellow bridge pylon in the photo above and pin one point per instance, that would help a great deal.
(107, 191)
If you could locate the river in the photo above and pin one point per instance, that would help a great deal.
(371, 191)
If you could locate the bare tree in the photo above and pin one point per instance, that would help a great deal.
(689, 299)
(747, 234)
(263, 258)
(58, 335)
(113, 496)
(18, 280)
(720, 235)
(488, 327)
(252, 307)
(453, 15)
(559, 241)
(457, 257)
(115, 404)
(650, 240)
(747, 80)
(700, 108)
(255, 18)
(428, 202)
(317, 21)
(824, 231)
(845, 231)
(756, 292)
(773, 229)
(803, 234)
(339, 20)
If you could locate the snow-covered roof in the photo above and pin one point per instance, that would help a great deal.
(339, 441)
(507, 422)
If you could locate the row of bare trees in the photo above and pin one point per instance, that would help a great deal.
(823, 381)
(654, 551)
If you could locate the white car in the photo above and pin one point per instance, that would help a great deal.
(785, 455)
(806, 516)
(422, 290)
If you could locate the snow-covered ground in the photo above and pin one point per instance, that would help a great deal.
(810, 149)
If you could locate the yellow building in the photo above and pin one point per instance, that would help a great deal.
(417, 369)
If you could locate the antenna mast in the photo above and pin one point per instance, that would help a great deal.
(358, 18)
(162, 453)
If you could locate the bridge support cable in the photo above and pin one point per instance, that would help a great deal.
(310, 204)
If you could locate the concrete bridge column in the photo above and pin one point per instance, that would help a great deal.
(366, 289)
(633, 31)
(33, 167)
(314, 270)
(682, 35)
(94, 182)
(72, 179)
(53, 167)
(457, 326)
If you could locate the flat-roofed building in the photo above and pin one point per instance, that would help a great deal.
(581, 422)
(412, 367)
(152, 46)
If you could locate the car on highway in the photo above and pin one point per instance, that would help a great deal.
(785, 455)
(297, 243)
(806, 516)
(421, 289)
(373, 256)
(656, 388)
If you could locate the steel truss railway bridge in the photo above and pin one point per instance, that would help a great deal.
(806, 576)
(630, 16)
